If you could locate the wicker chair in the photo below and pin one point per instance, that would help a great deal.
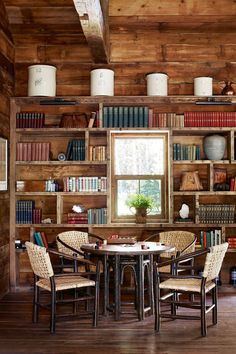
(184, 243)
(44, 278)
(190, 284)
(69, 242)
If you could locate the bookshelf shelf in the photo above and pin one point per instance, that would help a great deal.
(58, 205)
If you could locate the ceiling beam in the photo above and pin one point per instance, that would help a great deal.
(93, 16)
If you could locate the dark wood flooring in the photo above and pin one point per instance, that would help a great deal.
(127, 336)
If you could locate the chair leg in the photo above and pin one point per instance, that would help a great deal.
(214, 301)
(53, 311)
(203, 314)
(149, 286)
(173, 305)
(35, 303)
(157, 308)
(96, 306)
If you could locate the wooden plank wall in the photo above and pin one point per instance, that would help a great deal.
(6, 90)
(184, 39)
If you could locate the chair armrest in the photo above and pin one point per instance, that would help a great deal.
(72, 258)
(151, 236)
(96, 236)
(168, 276)
(185, 250)
(69, 247)
(184, 257)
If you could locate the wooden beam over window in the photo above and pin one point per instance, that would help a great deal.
(93, 16)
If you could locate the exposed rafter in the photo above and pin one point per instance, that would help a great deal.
(93, 16)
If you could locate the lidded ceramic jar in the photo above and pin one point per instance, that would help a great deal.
(214, 146)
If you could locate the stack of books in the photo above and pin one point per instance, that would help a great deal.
(232, 241)
(77, 218)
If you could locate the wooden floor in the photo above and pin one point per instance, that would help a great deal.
(128, 336)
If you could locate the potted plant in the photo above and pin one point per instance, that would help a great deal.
(141, 203)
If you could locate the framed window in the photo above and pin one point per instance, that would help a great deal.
(3, 164)
(139, 164)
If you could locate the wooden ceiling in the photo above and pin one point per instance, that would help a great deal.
(57, 22)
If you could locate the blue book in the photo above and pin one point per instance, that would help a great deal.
(145, 117)
(140, 117)
(131, 117)
(105, 117)
(115, 117)
(126, 117)
(136, 117)
(121, 117)
(38, 239)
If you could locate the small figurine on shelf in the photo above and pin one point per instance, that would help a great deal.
(184, 211)
(184, 214)
(228, 89)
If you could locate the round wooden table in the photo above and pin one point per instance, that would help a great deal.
(138, 250)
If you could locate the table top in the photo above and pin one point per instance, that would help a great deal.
(127, 249)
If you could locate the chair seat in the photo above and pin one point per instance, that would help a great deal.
(92, 268)
(191, 284)
(63, 283)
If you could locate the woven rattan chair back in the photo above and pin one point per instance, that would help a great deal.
(39, 260)
(214, 261)
(183, 241)
(73, 239)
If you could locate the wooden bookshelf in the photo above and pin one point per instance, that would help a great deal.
(56, 205)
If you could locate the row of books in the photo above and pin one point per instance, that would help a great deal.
(97, 216)
(210, 238)
(216, 213)
(40, 239)
(77, 218)
(76, 150)
(209, 119)
(51, 185)
(26, 213)
(85, 184)
(30, 119)
(32, 151)
(138, 116)
(97, 153)
(164, 120)
(232, 184)
(231, 241)
(124, 117)
(186, 152)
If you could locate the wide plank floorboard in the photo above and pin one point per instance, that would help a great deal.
(127, 336)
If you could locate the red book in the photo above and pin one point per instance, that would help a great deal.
(44, 238)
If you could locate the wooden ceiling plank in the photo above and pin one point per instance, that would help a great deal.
(93, 16)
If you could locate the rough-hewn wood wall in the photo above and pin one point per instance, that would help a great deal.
(6, 90)
(186, 39)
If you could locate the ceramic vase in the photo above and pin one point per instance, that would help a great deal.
(214, 146)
